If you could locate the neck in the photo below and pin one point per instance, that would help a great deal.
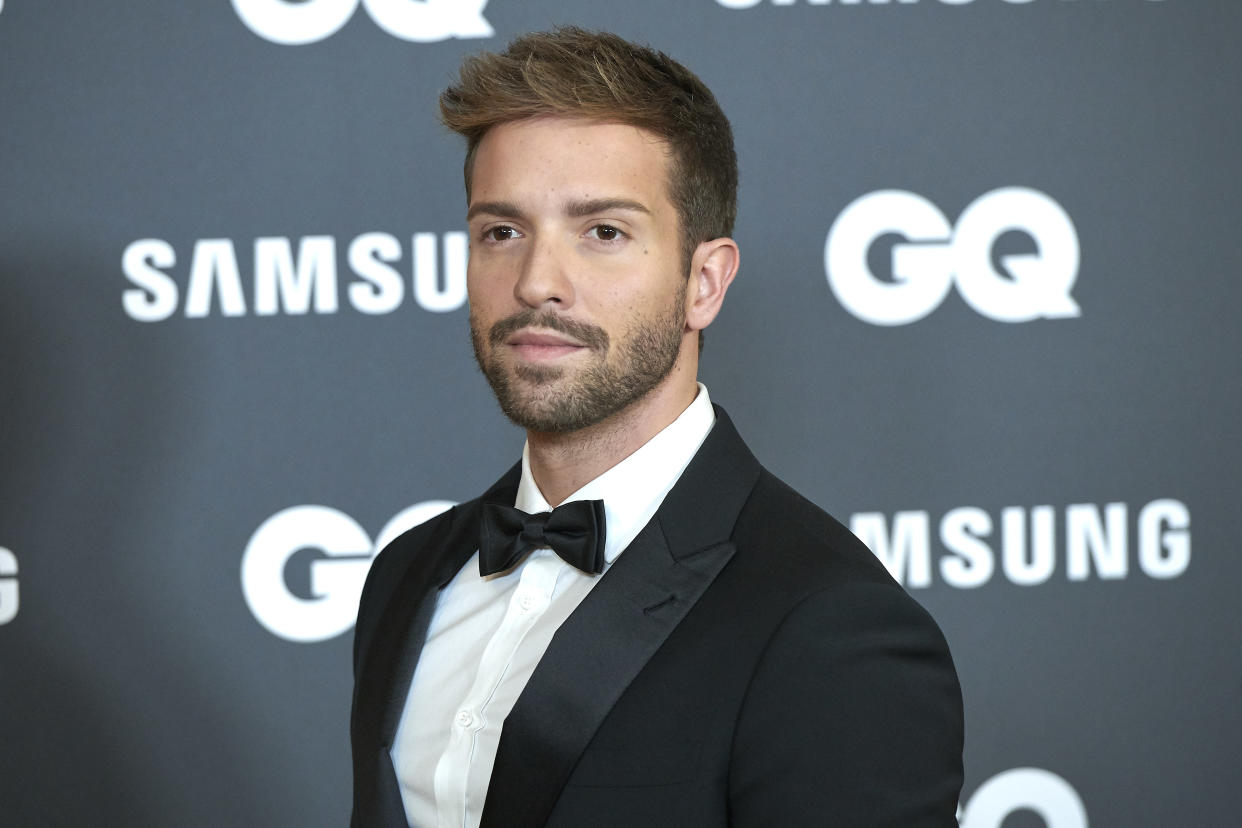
(562, 463)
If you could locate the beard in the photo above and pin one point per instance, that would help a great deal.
(558, 399)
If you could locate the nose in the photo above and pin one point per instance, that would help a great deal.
(544, 278)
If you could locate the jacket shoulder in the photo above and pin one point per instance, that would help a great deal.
(844, 639)
(796, 535)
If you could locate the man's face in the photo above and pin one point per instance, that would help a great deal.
(576, 282)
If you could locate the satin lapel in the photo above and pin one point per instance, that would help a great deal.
(386, 666)
(612, 635)
(388, 661)
(592, 659)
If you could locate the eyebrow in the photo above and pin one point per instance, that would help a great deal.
(579, 209)
(502, 209)
(574, 209)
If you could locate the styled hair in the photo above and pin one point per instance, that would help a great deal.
(598, 76)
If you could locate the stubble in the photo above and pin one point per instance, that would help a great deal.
(560, 399)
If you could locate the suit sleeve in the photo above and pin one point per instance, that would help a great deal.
(853, 718)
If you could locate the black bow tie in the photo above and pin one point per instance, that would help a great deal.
(574, 530)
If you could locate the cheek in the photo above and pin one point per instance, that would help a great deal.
(482, 285)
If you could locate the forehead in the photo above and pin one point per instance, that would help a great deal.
(571, 158)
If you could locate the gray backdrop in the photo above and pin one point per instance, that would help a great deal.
(986, 316)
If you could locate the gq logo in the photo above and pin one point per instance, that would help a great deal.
(933, 255)
(1024, 789)
(343, 554)
(8, 580)
(423, 21)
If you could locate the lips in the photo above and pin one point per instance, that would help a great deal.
(543, 345)
(543, 339)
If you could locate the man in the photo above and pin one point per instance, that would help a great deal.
(720, 651)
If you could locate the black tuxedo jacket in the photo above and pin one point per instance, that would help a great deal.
(745, 662)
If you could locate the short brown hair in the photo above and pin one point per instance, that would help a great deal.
(571, 72)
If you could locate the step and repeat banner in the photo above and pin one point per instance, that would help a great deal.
(987, 317)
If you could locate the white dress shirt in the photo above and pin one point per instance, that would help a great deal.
(488, 634)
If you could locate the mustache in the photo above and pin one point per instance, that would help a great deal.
(591, 336)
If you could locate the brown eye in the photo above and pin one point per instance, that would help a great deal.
(606, 232)
(500, 233)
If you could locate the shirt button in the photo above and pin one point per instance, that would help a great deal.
(464, 718)
(526, 602)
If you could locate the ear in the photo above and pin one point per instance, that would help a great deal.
(712, 268)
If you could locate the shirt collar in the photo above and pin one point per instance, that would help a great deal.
(633, 489)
